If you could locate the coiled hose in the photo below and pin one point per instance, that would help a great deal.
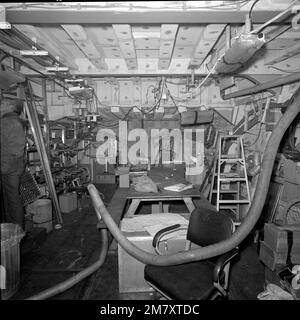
(194, 255)
(65, 285)
(244, 229)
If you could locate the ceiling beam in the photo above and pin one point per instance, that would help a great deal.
(170, 75)
(15, 16)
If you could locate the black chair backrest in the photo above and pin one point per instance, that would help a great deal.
(207, 226)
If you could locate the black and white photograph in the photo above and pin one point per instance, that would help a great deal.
(150, 156)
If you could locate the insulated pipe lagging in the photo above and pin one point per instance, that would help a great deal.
(65, 285)
(241, 232)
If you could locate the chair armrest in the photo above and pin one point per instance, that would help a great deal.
(222, 262)
(161, 233)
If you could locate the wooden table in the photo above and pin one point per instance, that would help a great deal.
(162, 177)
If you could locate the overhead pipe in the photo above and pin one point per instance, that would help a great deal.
(240, 233)
(253, 80)
(264, 86)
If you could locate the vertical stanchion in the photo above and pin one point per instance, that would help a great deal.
(40, 145)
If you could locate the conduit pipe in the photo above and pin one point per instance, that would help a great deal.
(65, 285)
(264, 86)
(241, 232)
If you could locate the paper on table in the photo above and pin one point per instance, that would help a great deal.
(141, 222)
(179, 187)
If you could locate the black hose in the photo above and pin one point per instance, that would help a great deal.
(241, 232)
(67, 284)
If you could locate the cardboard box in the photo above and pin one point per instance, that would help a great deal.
(105, 178)
(271, 258)
(276, 237)
(131, 271)
(68, 202)
(123, 173)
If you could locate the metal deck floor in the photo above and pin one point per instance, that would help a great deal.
(66, 251)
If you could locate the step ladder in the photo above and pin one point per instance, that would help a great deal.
(229, 187)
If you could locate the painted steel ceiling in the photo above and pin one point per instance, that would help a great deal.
(135, 48)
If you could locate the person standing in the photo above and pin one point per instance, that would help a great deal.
(13, 160)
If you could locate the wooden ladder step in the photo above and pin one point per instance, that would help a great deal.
(231, 160)
(231, 157)
(228, 207)
(233, 179)
(225, 191)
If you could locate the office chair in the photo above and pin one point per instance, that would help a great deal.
(200, 280)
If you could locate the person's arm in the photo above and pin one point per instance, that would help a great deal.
(15, 139)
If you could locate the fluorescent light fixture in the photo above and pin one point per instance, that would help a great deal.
(4, 25)
(74, 80)
(31, 53)
(57, 69)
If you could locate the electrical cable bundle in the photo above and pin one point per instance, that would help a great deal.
(209, 136)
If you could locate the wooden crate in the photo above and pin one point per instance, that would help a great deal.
(276, 237)
(271, 258)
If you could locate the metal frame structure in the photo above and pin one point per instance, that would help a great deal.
(15, 16)
(40, 145)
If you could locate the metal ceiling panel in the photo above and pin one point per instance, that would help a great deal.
(188, 35)
(147, 43)
(112, 52)
(182, 52)
(147, 54)
(102, 35)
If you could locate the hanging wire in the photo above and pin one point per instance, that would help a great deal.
(210, 72)
(282, 70)
(251, 9)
